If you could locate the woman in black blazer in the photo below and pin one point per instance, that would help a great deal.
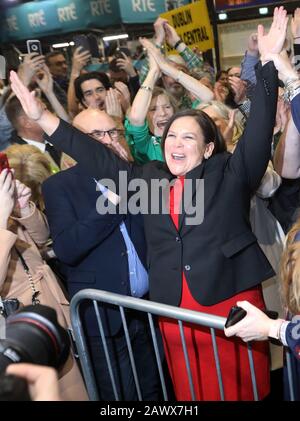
(205, 257)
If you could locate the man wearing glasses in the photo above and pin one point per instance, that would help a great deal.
(106, 252)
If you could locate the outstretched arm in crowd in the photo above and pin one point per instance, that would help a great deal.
(46, 85)
(142, 100)
(80, 59)
(191, 84)
(252, 154)
(287, 154)
(165, 32)
(98, 160)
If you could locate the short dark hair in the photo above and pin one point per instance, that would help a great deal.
(52, 54)
(210, 131)
(100, 76)
(13, 111)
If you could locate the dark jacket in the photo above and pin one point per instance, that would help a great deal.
(91, 245)
(55, 154)
(220, 257)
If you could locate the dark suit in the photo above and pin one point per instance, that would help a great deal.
(220, 257)
(55, 154)
(93, 248)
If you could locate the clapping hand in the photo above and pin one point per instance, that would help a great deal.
(22, 197)
(7, 200)
(273, 42)
(32, 107)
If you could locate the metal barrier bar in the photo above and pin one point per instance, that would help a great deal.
(187, 360)
(290, 375)
(252, 370)
(158, 309)
(217, 361)
(86, 364)
(129, 347)
(157, 356)
(181, 315)
(106, 353)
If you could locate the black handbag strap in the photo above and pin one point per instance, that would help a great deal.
(35, 293)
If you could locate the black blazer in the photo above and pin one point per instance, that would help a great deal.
(220, 257)
(90, 245)
(55, 155)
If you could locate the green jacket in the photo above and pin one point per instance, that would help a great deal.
(144, 147)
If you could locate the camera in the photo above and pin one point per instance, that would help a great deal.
(33, 335)
(34, 46)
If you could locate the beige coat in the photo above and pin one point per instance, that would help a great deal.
(27, 234)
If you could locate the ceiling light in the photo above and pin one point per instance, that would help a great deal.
(223, 16)
(114, 37)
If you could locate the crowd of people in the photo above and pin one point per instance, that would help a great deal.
(65, 130)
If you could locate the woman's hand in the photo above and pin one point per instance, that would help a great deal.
(159, 30)
(273, 42)
(31, 65)
(228, 133)
(171, 35)
(7, 200)
(80, 59)
(22, 196)
(123, 95)
(284, 66)
(126, 64)
(156, 59)
(32, 107)
(112, 104)
(254, 326)
(295, 26)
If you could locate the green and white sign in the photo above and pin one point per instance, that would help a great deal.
(142, 11)
(49, 17)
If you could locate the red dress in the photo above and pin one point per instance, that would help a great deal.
(232, 352)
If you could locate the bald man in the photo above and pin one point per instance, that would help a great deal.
(103, 128)
(107, 252)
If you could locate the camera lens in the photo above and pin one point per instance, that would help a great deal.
(33, 335)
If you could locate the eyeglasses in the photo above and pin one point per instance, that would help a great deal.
(100, 134)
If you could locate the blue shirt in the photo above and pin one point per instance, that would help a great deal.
(138, 276)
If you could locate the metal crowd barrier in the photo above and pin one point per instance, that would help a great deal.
(151, 308)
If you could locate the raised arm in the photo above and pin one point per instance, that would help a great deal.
(142, 100)
(96, 158)
(287, 155)
(253, 151)
(188, 82)
(46, 85)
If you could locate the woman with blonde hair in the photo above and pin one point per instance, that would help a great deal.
(31, 167)
(24, 230)
(229, 121)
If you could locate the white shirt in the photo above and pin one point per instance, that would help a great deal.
(40, 145)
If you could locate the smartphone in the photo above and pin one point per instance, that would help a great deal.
(82, 41)
(93, 44)
(3, 162)
(235, 315)
(120, 50)
(34, 46)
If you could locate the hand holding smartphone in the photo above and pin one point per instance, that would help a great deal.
(236, 314)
